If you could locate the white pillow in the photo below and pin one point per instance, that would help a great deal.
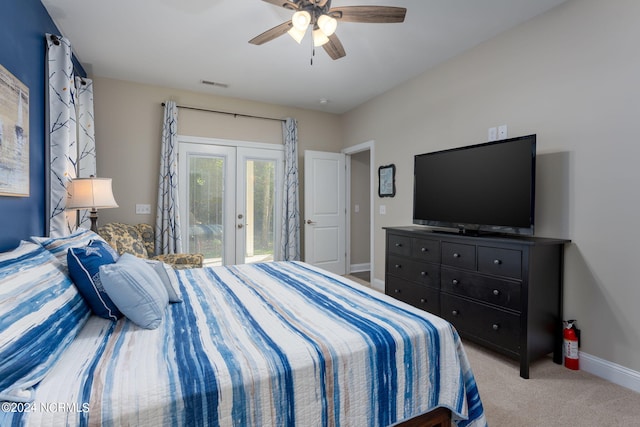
(169, 279)
(136, 289)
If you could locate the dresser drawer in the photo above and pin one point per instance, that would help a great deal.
(425, 250)
(499, 261)
(503, 293)
(421, 272)
(459, 255)
(492, 325)
(399, 245)
(419, 296)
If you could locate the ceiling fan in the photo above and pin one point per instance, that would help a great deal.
(323, 19)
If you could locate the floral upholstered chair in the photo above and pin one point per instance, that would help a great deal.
(139, 240)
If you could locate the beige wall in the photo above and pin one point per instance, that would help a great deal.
(129, 124)
(360, 195)
(572, 77)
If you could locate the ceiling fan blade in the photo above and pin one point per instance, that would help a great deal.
(369, 14)
(334, 47)
(271, 34)
(283, 3)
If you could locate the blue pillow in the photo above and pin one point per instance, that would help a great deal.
(84, 264)
(136, 289)
(41, 312)
(59, 246)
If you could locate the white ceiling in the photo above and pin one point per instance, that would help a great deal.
(179, 43)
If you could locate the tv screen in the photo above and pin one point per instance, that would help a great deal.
(486, 187)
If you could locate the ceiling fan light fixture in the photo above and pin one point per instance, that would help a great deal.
(327, 24)
(296, 34)
(319, 38)
(301, 20)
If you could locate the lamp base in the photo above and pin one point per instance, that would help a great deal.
(93, 216)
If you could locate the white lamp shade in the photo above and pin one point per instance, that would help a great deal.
(301, 20)
(296, 34)
(327, 24)
(90, 193)
(319, 38)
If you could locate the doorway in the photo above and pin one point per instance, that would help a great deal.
(230, 201)
(360, 196)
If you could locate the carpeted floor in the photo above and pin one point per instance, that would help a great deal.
(552, 396)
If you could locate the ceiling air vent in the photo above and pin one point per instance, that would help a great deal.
(210, 83)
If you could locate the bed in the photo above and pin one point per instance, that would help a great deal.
(269, 344)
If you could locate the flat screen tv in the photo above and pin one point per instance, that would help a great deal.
(483, 188)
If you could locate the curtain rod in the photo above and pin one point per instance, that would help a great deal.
(56, 40)
(227, 112)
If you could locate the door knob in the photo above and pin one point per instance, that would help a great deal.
(239, 225)
(310, 222)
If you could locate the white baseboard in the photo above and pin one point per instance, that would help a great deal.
(610, 371)
(356, 268)
(377, 284)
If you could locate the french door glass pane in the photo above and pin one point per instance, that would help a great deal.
(206, 207)
(260, 210)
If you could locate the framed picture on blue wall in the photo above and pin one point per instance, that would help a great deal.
(14, 136)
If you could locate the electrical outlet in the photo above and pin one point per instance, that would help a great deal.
(502, 132)
(142, 209)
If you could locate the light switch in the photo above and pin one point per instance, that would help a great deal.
(493, 134)
(383, 209)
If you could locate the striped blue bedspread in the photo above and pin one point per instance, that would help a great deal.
(271, 344)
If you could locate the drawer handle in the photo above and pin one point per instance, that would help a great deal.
(455, 281)
(397, 291)
(495, 326)
(424, 249)
(398, 266)
(497, 262)
(456, 255)
(398, 245)
(496, 292)
(424, 273)
(455, 312)
(423, 300)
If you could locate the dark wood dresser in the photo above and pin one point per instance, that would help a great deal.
(499, 291)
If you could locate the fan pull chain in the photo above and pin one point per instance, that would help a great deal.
(313, 51)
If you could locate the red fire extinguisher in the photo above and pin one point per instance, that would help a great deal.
(571, 352)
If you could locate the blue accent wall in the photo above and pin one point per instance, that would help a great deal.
(23, 25)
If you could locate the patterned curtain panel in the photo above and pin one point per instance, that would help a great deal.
(290, 211)
(67, 134)
(86, 137)
(168, 237)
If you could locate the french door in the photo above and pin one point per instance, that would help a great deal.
(230, 201)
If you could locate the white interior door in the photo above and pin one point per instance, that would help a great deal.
(230, 200)
(325, 210)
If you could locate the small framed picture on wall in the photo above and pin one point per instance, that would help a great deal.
(387, 181)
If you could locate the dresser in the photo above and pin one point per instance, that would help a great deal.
(502, 292)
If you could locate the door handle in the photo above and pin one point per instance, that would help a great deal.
(239, 225)
(310, 222)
